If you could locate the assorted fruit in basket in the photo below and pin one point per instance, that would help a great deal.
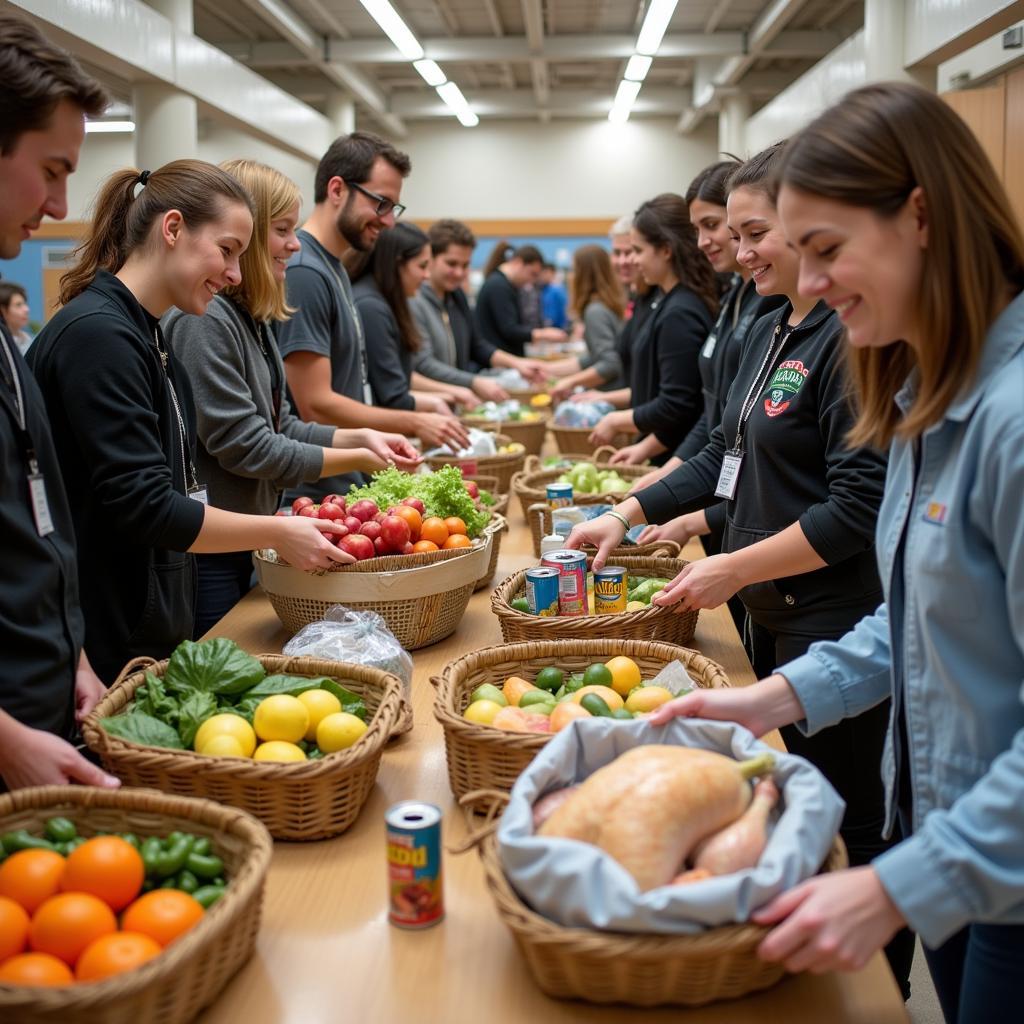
(586, 478)
(512, 411)
(60, 893)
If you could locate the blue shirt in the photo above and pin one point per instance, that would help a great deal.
(552, 304)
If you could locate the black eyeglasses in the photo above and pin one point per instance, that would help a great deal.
(384, 205)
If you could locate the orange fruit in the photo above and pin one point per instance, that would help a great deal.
(31, 876)
(163, 915)
(107, 867)
(13, 928)
(413, 518)
(35, 969)
(455, 525)
(424, 545)
(114, 954)
(434, 529)
(457, 540)
(564, 713)
(65, 924)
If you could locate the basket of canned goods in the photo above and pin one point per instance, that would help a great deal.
(543, 531)
(563, 599)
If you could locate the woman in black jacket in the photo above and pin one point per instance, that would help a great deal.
(122, 414)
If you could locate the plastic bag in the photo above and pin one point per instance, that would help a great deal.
(481, 442)
(581, 414)
(359, 637)
(510, 380)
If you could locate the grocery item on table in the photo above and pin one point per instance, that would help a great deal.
(610, 590)
(559, 495)
(572, 583)
(581, 414)
(586, 478)
(510, 380)
(542, 589)
(415, 878)
(511, 411)
(620, 592)
(552, 542)
(481, 443)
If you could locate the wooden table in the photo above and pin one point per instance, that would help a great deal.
(326, 952)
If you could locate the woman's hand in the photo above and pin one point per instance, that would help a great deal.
(589, 396)
(832, 922)
(487, 389)
(631, 455)
(609, 427)
(89, 690)
(434, 431)
(555, 334)
(432, 402)
(456, 395)
(680, 529)
(304, 542)
(534, 370)
(604, 533)
(390, 448)
(706, 583)
(32, 757)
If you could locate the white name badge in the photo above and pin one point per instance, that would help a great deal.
(40, 506)
(729, 475)
(709, 346)
(199, 493)
(367, 395)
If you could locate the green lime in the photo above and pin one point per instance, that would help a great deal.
(532, 697)
(487, 691)
(597, 675)
(622, 713)
(549, 678)
(520, 604)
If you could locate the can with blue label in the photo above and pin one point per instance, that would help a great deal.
(559, 495)
(572, 580)
(611, 585)
(542, 591)
(414, 864)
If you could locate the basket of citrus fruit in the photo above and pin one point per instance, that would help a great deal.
(120, 906)
(498, 706)
(296, 742)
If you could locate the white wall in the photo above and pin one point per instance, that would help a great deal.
(980, 62)
(561, 169)
(930, 26)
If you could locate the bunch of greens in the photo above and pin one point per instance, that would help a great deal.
(204, 679)
(442, 492)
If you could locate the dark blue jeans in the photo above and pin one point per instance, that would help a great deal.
(223, 581)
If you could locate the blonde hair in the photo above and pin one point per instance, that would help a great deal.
(273, 195)
(593, 278)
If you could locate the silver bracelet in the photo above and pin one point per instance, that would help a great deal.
(626, 525)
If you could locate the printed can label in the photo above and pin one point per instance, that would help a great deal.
(415, 883)
(611, 585)
(542, 591)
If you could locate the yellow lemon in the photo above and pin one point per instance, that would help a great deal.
(625, 675)
(636, 606)
(223, 746)
(482, 712)
(609, 696)
(540, 401)
(278, 750)
(226, 724)
(319, 704)
(281, 718)
(647, 698)
(339, 731)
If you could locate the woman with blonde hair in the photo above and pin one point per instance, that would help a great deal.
(251, 444)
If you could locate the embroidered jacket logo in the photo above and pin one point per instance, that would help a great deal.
(782, 388)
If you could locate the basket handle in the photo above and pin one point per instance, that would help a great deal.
(604, 451)
(671, 548)
(132, 667)
(532, 464)
(436, 681)
(493, 802)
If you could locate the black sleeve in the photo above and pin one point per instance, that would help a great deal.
(503, 309)
(696, 439)
(310, 326)
(383, 354)
(481, 351)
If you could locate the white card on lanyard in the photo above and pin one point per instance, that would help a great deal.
(367, 393)
(40, 506)
(729, 475)
(200, 494)
(709, 346)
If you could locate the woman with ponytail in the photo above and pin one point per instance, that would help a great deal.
(122, 412)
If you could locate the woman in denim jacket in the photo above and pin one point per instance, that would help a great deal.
(904, 228)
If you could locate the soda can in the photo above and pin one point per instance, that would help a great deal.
(559, 495)
(572, 580)
(414, 864)
(611, 584)
(542, 590)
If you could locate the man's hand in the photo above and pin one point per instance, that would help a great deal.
(32, 757)
(89, 690)
(390, 448)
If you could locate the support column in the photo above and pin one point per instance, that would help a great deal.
(732, 124)
(341, 112)
(884, 22)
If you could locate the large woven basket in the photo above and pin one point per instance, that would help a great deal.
(577, 439)
(482, 757)
(501, 466)
(653, 623)
(304, 800)
(490, 484)
(496, 527)
(612, 967)
(189, 975)
(420, 605)
(539, 517)
(530, 435)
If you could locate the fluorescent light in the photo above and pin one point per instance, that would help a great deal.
(452, 95)
(637, 68)
(430, 72)
(110, 126)
(467, 118)
(659, 14)
(624, 100)
(394, 28)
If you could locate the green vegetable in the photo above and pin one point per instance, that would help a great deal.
(150, 851)
(196, 708)
(204, 866)
(153, 699)
(21, 839)
(60, 830)
(574, 683)
(315, 754)
(130, 838)
(208, 895)
(536, 697)
(486, 498)
(186, 881)
(219, 666)
(350, 702)
(137, 727)
(290, 685)
(245, 707)
(596, 705)
(623, 713)
(173, 857)
(201, 846)
(550, 678)
(520, 604)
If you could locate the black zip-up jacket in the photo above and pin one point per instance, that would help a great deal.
(796, 467)
(642, 306)
(499, 319)
(119, 446)
(664, 378)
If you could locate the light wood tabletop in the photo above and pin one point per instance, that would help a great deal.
(327, 953)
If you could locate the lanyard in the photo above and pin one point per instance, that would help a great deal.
(759, 382)
(260, 331)
(188, 471)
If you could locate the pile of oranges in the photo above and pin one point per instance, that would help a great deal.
(57, 914)
(436, 533)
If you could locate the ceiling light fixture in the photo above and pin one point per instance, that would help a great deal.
(652, 31)
(394, 28)
(637, 68)
(659, 14)
(430, 71)
(109, 126)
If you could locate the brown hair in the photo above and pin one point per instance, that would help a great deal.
(503, 251)
(445, 233)
(351, 158)
(665, 220)
(871, 150)
(121, 220)
(35, 76)
(593, 278)
(8, 289)
(711, 184)
(759, 173)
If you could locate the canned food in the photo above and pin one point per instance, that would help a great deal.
(611, 584)
(542, 590)
(572, 580)
(559, 495)
(414, 864)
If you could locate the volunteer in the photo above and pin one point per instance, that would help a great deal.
(122, 415)
(902, 225)
(251, 445)
(14, 313)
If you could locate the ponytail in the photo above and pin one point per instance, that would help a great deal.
(501, 252)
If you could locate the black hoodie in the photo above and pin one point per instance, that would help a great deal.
(119, 445)
(796, 467)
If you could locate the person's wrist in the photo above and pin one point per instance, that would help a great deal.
(621, 519)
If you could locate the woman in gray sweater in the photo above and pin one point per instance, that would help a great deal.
(251, 444)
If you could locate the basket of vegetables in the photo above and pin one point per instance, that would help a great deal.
(646, 576)
(541, 520)
(518, 422)
(498, 706)
(74, 857)
(503, 465)
(296, 742)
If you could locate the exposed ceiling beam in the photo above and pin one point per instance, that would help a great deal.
(329, 18)
(492, 13)
(715, 17)
(533, 19)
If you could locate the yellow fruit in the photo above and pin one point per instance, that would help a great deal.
(514, 688)
(482, 711)
(223, 746)
(625, 675)
(339, 731)
(281, 718)
(319, 704)
(608, 695)
(226, 724)
(647, 698)
(636, 606)
(279, 750)
(564, 713)
(540, 401)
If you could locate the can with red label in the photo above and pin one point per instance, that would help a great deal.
(415, 885)
(572, 581)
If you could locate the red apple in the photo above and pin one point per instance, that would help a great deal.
(380, 547)
(338, 533)
(407, 550)
(309, 511)
(358, 546)
(328, 510)
(471, 487)
(370, 529)
(332, 499)
(416, 504)
(395, 532)
(352, 523)
(301, 503)
(364, 510)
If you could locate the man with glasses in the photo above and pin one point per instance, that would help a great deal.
(356, 193)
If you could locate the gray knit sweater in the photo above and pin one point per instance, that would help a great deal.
(600, 329)
(241, 459)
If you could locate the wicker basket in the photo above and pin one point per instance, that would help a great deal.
(482, 757)
(540, 520)
(577, 439)
(501, 467)
(612, 967)
(490, 484)
(420, 605)
(305, 800)
(496, 527)
(653, 623)
(173, 987)
(530, 435)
